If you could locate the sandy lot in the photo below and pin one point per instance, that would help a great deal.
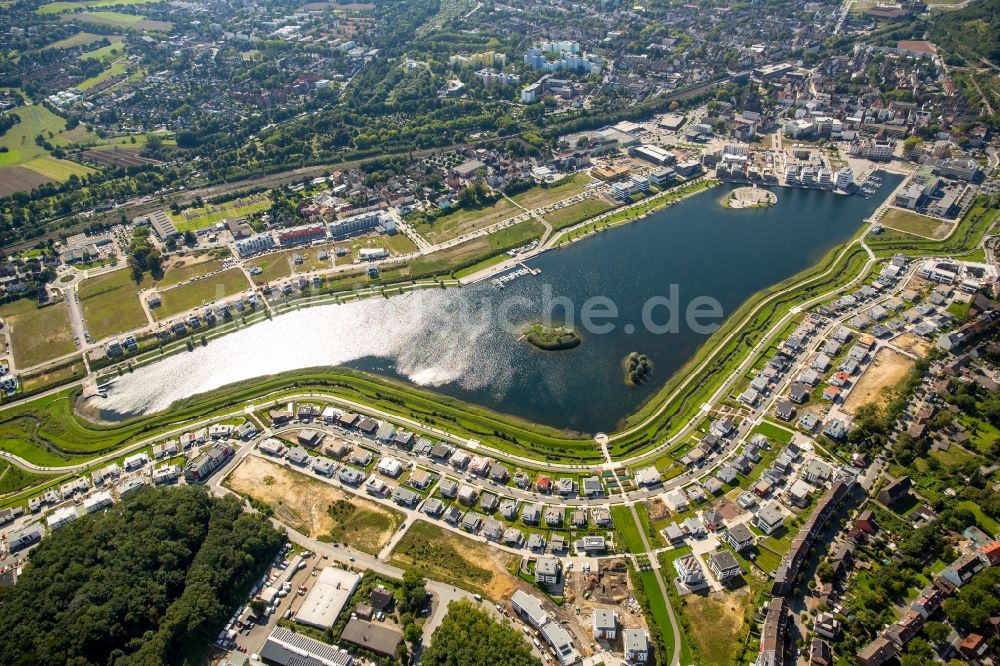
(303, 503)
(886, 371)
(913, 344)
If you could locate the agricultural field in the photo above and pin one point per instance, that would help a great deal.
(192, 219)
(56, 169)
(200, 292)
(914, 223)
(38, 334)
(26, 164)
(117, 157)
(69, 6)
(114, 70)
(118, 20)
(451, 558)
(19, 179)
(111, 304)
(78, 39)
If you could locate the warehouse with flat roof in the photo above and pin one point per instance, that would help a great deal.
(327, 597)
(288, 648)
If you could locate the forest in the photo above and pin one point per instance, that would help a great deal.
(470, 637)
(150, 581)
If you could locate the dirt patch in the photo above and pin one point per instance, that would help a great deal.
(726, 508)
(887, 370)
(304, 504)
(657, 509)
(451, 558)
(20, 179)
(913, 344)
(717, 621)
(121, 157)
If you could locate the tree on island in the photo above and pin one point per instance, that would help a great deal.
(638, 368)
(470, 637)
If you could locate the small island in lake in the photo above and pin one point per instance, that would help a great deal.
(638, 368)
(750, 197)
(552, 338)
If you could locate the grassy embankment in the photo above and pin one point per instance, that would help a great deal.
(962, 243)
(753, 320)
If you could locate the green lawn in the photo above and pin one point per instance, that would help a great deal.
(361, 527)
(445, 556)
(987, 524)
(111, 304)
(76, 39)
(187, 268)
(914, 223)
(110, 18)
(538, 197)
(13, 479)
(462, 221)
(38, 333)
(774, 432)
(275, 265)
(578, 212)
(628, 531)
(200, 292)
(103, 53)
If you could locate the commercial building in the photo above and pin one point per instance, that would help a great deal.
(331, 591)
(287, 648)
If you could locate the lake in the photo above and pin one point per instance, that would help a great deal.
(465, 342)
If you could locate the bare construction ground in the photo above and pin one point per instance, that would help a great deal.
(913, 344)
(313, 507)
(887, 370)
(449, 557)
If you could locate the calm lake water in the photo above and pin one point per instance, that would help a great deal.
(464, 342)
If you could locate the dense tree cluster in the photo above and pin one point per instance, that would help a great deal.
(469, 637)
(150, 581)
